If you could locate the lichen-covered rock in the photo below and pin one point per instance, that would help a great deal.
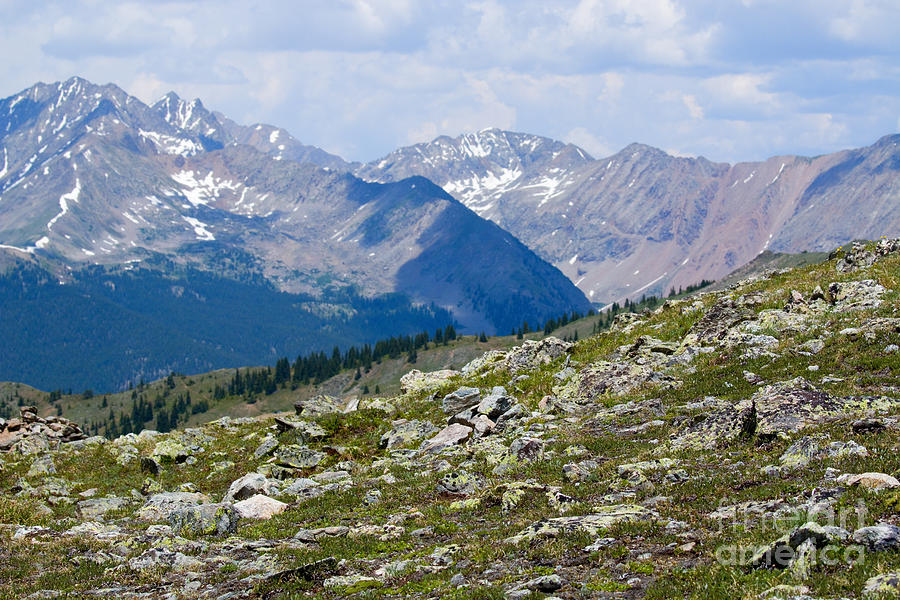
(204, 519)
(296, 456)
(96, 508)
(856, 295)
(159, 506)
(318, 406)
(716, 321)
(784, 551)
(532, 354)
(611, 378)
(307, 430)
(496, 403)
(881, 586)
(459, 483)
(603, 518)
(417, 381)
(405, 432)
(169, 451)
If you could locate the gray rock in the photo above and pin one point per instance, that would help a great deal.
(496, 403)
(41, 467)
(405, 432)
(580, 471)
(527, 449)
(259, 507)
(417, 381)
(204, 519)
(159, 506)
(604, 518)
(459, 483)
(856, 295)
(546, 584)
(297, 457)
(318, 406)
(879, 537)
(247, 486)
(265, 448)
(459, 400)
(95, 508)
(449, 436)
(881, 586)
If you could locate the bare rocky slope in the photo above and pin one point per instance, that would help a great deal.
(733, 444)
(642, 221)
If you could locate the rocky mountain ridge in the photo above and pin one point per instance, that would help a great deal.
(643, 221)
(739, 443)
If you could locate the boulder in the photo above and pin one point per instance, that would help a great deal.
(856, 295)
(459, 400)
(879, 537)
(449, 436)
(603, 518)
(247, 486)
(95, 508)
(405, 432)
(883, 586)
(296, 456)
(417, 381)
(535, 353)
(318, 406)
(204, 519)
(872, 481)
(159, 506)
(259, 507)
(458, 483)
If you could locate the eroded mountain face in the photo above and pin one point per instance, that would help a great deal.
(642, 221)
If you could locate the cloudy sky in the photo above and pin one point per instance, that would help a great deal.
(727, 79)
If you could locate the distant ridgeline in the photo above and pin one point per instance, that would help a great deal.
(103, 329)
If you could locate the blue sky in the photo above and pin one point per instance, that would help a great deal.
(730, 80)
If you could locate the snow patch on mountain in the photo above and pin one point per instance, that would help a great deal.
(168, 144)
(201, 191)
(200, 229)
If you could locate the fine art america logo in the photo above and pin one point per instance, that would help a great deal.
(819, 524)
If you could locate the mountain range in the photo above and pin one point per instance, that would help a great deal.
(96, 183)
(643, 221)
(487, 229)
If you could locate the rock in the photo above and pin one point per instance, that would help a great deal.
(308, 431)
(483, 425)
(495, 404)
(259, 507)
(302, 487)
(881, 586)
(449, 436)
(170, 451)
(488, 360)
(41, 467)
(580, 471)
(204, 519)
(315, 571)
(612, 378)
(458, 483)
(782, 591)
(720, 317)
(247, 486)
(331, 476)
(879, 537)
(603, 518)
(546, 584)
(318, 406)
(159, 506)
(417, 381)
(266, 447)
(868, 425)
(297, 457)
(533, 354)
(856, 295)
(351, 584)
(872, 481)
(405, 432)
(527, 449)
(461, 399)
(150, 465)
(372, 497)
(95, 508)
(784, 551)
